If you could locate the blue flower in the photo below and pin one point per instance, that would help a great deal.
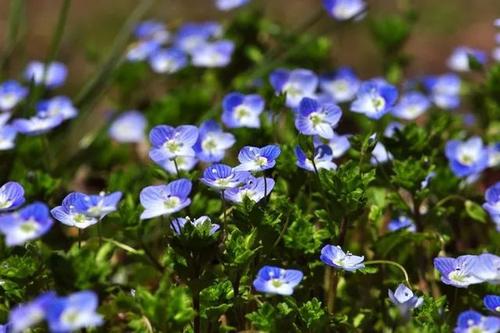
(191, 36)
(152, 30)
(380, 154)
(334, 256)
(7, 137)
(402, 222)
(170, 142)
(296, 84)
(29, 223)
(223, 177)
(242, 110)
(30, 314)
(344, 9)
(73, 212)
(254, 189)
(11, 94)
(339, 144)
(472, 321)
(178, 224)
(323, 157)
(39, 124)
(52, 75)
(57, 106)
(213, 54)
(411, 105)
(467, 158)
(457, 272)
(256, 159)
(492, 303)
(486, 267)
(97, 206)
(168, 61)
(444, 90)
(493, 154)
(459, 59)
(427, 180)
(128, 127)
(342, 85)
(375, 98)
(212, 142)
(74, 312)
(492, 204)
(316, 119)
(230, 4)
(276, 280)
(165, 199)
(141, 50)
(182, 163)
(11, 196)
(404, 299)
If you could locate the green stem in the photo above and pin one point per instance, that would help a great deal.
(176, 167)
(393, 263)
(448, 198)
(55, 45)
(16, 14)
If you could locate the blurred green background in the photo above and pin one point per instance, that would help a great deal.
(93, 24)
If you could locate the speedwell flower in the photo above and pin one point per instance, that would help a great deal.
(171, 142)
(334, 256)
(128, 127)
(492, 303)
(486, 267)
(192, 35)
(29, 223)
(323, 157)
(375, 98)
(254, 189)
(344, 9)
(152, 30)
(411, 105)
(459, 59)
(11, 94)
(178, 224)
(230, 4)
(457, 272)
(256, 159)
(72, 212)
(339, 144)
(8, 133)
(276, 280)
(97, 205)
(297, 84)
(223, 177)
(39, 124)
(471, 322)
(11, 196)
(467, 158)
(212, 142)
(168, 61)
(165, 199)
(141, 50)
(402, 222)
(444, 90)
(314, 118)
(492, 204)
(30, 314)
(342, 85)
(242, 110)
(59, 105)
(213, 54)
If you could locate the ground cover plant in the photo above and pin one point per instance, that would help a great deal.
(242, 183)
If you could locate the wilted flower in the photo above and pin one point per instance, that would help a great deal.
(276, 280)
(334, 256)
(375, 98)
(212, 142)
(323, 157)
(128, 127)
(52, 75)
(459, 59)
(297, 84)
(467, 158)
(11, 196)
(242, 110)
(165, 199)
(178, 224)
(313, 118)
(31, 222)
(342, 85)
(404, 299)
